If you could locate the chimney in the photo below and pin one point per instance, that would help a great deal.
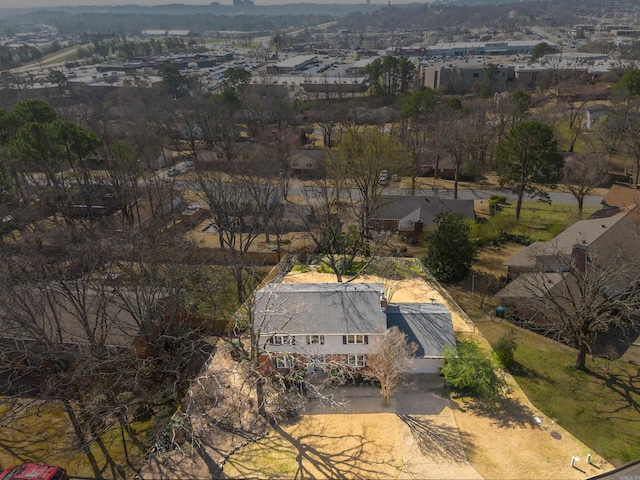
(383, 303)
(579, 258)
(418, 228)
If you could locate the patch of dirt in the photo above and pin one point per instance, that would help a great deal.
(357, 446)
(405, 291)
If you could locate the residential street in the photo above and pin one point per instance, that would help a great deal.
(463, 194)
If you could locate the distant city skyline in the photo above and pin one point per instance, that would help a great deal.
(75, 3)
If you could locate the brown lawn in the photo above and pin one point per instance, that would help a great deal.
(460, 442)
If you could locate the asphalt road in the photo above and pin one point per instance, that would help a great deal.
(480, 194)
(463, 194)
(296, 188)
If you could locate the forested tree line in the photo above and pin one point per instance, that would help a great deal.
(473, 15)
(68, 23)
(11, 57)
(448, 16)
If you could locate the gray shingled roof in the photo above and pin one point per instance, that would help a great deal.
(428, 325)
(423, 208)
(525, 285)
(584, 232)
(331, 308)
(55, 318)
(317, 155)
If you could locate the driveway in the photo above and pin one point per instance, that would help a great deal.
(431, 443)
(419, 396)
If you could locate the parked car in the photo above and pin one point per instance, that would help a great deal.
(172, 172)
(191, 209)
(384, 176)
(34, 471)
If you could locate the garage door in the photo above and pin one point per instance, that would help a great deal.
(425, 365)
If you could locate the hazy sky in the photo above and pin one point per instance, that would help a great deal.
(57, 3)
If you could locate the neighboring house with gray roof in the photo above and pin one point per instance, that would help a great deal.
(307, 163)
(596, 112)
(609, 235)
(47, 315)
(313, 326)
(401, 213)
(544, 269)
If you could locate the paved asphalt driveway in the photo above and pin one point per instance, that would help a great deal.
(420, 396)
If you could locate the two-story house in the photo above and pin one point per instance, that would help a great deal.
(321, 326)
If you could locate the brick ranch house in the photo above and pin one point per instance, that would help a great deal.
(411, 215)
(321, 326)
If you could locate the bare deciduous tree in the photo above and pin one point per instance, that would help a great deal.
(609, 132)
(591, 297)
(361, 155)
(582, 173)
(326, 223)
(390, 356)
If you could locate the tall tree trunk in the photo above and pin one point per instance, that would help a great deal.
(581, 359)
(520, 195)
(455, 184)
(260, 397)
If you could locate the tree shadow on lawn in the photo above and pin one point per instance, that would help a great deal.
(506, 412)
(625, 385)
(521, 371)
(437, 440)
(334, 458)
(53, 445)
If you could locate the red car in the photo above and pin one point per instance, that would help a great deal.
(34, 471)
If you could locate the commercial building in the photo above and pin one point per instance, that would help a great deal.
(293, 64)
(461, 49)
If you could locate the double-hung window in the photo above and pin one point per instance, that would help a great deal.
(285, 361)
(356, 361)
(355, 339)
(280, 339)
(315, 339)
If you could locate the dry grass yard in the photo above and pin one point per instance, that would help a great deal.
(461, 441)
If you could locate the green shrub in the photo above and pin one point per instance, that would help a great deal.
(236, 349)
(505, 348)
(450, 252)
(469, 371)
(494, 203)
(300, 268)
